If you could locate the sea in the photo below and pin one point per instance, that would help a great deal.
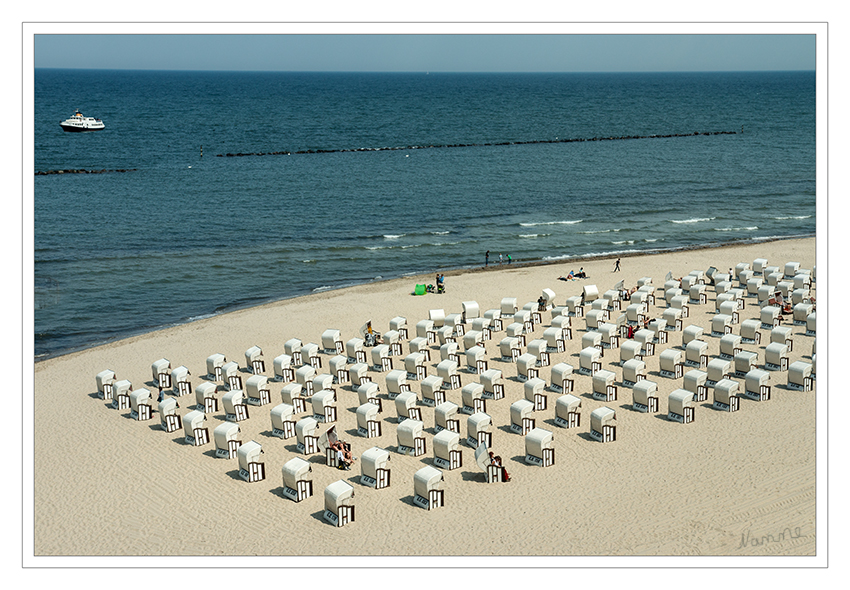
(212, 191)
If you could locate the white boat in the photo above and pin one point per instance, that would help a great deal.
(80, 123)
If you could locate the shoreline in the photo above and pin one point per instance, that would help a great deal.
(450, 271)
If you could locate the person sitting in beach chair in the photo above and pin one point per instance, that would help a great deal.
(344, 458)
(370, 336)
(497, 461)
(541, 304)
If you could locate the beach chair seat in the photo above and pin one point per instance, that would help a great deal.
(696, 354)
(368, 423)
(254, 362)
(472, 398)
(680, 405)
(399, 324)
(428, 488)
(508, 306)
(745, 361)
(630, 350)
(521, 420)
(282, 368)
(251, 469)
(405, 406)
(696, 381)
(691, 332)
(634, 370)
(432, 391)
(726, 398)
(409, 436)
(603, 424)
(479, 430)
(283, 421)
(645, 396)
(568, 411)
(800, 376)
(438, 316)
(540, 447)
(447, 451)
(603, 385)
(757, 385)
(494, 387)
(339, 503)
(297, 481)
(214, 364)
(226, 440)
(446, 417)
(374, 468)
(730, 345)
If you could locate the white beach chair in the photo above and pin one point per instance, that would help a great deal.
(226, 440)
(297, 482)
(680, 405)
(374, 468)
(603, 424)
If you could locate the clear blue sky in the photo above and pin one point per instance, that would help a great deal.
(436, 53)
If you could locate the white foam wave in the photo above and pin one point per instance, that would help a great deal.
(694, 220)
(649, 240)
(308, 261)
(623, 242)
(322, 288)
(534, 235)
(794, 217)
(751, 228)
(591, 254)
(377, 247)
(599, 231)
(552, 223)
(394, 236)
(440, 233)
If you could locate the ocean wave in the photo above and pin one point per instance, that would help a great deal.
(393, 236)
(623, 242)
(594, 254)
(751, 228)
(599, 231)
(322, 288)
(552, 223)
(794, 217)
(534, 235)
(694, 220)
(308, 261)
(440, 233)
(650, 240)
(377, 247)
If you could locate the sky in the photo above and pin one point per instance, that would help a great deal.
(428, 52)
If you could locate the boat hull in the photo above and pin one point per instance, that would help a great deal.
(75, 129)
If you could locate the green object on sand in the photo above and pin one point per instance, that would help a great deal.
(420, 290)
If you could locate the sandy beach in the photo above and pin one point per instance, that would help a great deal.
(727, 484)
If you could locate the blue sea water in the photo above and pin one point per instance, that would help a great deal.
(183, 236)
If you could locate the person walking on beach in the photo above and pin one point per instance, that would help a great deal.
(500, 258)
(617, 265)
(509, 258)
(487, 258)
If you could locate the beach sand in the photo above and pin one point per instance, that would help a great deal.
(738, 483)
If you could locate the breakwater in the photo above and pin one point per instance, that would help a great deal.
(462, 145)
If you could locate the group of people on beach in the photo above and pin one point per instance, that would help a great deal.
(501, 258)
(574, 275)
